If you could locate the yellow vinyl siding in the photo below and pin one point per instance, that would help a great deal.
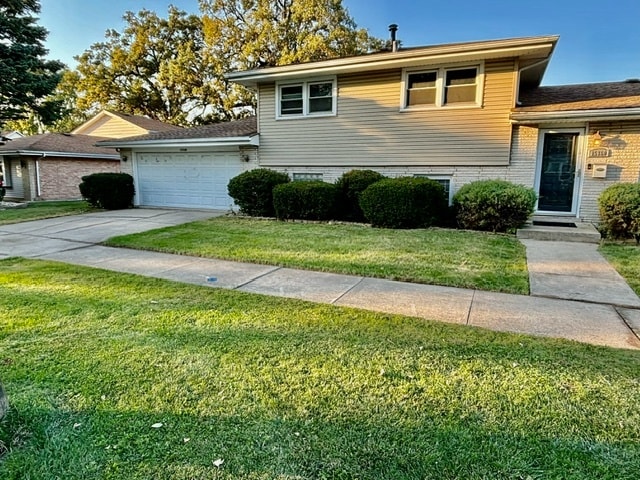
(113, 127)
(370, 130)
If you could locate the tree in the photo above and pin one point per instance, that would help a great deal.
(160, 68)
(258, 33)
(25, 76)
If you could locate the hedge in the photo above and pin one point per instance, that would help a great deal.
(313, 200)
(112, 191)
(253, 191)
(620, 211)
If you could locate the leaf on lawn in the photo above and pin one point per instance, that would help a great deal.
(156, 425)
(76, 425)
(186, 439)
(218, 462)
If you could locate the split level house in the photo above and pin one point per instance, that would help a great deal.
(50, 166)
(455, 113)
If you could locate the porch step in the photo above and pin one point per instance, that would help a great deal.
(559, 229)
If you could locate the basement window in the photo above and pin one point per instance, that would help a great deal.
(444, 181)
(307, 177)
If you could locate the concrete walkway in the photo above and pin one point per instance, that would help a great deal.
(608, 318)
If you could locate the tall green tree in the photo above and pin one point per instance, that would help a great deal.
(258, 33)
(159, 67)
(26, 77)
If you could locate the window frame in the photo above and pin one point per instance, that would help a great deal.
(306, 96)
(307, 177)
(7, 177)
(441, 87)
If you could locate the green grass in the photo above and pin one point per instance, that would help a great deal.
(433, 256)
(625, 258)
(283, 389)
(40, 210)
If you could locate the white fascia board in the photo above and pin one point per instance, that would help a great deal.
(254, 140)
(388, 61)
(608, 114)
(37, 153)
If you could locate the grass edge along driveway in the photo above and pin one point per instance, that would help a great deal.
(44, 209)
(117, 376)
(436, 256)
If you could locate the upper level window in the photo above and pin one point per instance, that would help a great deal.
(442, 87)
(306, 99)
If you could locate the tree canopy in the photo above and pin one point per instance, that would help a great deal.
(159, 67)
(172, 69)
(258, 33)
(26, 77)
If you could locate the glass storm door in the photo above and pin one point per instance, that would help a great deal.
(558, 172)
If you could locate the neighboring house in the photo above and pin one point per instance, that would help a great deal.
(455, 113)
(50, 166)
(10, 135)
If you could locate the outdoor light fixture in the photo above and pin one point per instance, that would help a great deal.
(597, 138)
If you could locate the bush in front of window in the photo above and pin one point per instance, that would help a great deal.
(305, 200)
(404, 202)
(493, 205)
(350, 185)
(111, 191)
(620, 211)
(253, 191)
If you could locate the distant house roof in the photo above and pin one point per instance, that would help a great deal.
(585, 102)
(124, 123)
(58, 145)
(145, 122)
(237, 132)
(533, 54)
(10, 135)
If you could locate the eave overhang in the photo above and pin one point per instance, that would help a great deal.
(608, 114)
(533, 48)
(253, 140)
(44, 154)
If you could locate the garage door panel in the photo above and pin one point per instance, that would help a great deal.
(186, 180)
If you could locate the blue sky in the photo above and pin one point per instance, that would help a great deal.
(599, 39)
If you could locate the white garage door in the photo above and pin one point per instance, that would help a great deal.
(191, 180)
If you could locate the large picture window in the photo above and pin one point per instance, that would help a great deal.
(459, 86)
(306, 99)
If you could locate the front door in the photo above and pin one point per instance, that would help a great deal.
(557, 169)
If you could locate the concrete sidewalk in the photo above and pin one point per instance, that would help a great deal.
(585, 319)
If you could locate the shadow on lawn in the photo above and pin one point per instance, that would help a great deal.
(104, 443)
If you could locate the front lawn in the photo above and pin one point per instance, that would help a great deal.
(115, 376)
(625, 258)
(40, 210)
(433, 256)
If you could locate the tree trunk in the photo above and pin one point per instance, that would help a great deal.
(4, 402)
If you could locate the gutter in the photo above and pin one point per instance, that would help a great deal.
(253, 140)
(606, 114)
(28, 153)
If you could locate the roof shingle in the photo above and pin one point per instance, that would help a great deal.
(59, 143)
(590, 96)
(238, 128)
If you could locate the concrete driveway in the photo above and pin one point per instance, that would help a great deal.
(43, 237)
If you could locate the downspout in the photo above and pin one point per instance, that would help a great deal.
(38, 186)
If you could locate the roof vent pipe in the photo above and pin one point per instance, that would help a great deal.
(393, 28)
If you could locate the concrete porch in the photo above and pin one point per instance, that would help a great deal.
(558, 229)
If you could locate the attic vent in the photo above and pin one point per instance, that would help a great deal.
(632, 80)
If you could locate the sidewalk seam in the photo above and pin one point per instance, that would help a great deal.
(342, 295)
(473, 297)
(275, 269)
(624, 320)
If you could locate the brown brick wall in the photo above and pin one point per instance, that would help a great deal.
(59, 178)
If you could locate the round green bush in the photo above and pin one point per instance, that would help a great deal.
(111, 191)
(493, 205)
(253, 191)
(305, 200)
(620, 210)
(404, 203)
(350, 186)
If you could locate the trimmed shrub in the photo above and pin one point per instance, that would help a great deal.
(620, 211)
(350, 185)
(253, 191)
(305, 200)
(404, 203)
(493, 205)
(112, 191)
